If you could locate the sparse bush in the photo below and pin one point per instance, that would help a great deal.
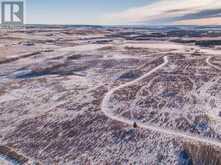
(203, 154)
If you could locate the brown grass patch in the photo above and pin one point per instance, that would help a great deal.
(203, 154)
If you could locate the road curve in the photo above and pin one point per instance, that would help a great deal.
(179, 134)
(212, 65)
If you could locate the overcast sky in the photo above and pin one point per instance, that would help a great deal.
(117, 12)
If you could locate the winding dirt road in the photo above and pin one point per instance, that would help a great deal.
(178, 134)
(212, 65)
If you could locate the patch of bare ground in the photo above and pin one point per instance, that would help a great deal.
(216, 61)
(107, 48)
(203, 154)
(137, 51)
(8, 60)
(10, 153)
(4, 60)
(2, 92)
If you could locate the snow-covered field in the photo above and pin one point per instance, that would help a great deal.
(97, 96)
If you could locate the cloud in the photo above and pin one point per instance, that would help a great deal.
(167, 12)
(202, 14)
(202, 21)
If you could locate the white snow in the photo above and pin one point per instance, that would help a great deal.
(106, 108)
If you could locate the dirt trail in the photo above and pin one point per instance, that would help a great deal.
(179, 134)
